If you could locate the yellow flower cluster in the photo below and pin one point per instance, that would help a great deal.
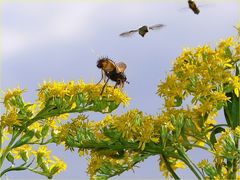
(225, 145)
(70, 129)
(200, 80)
(48, 165)
(71, 89)
(174, 163)
(11, 97)
(17, 152)
(99, 164)
(44, 162)
(134, 125)
(9, 119)
(211, 171)
(204, 74)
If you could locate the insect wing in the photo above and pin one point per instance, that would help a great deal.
(109, 65)
(129, 33)
(156, 27)
(121, 67)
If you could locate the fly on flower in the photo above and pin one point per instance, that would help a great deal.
(142, 30)
(113, 71)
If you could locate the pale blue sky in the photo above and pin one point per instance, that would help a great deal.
(54, 40)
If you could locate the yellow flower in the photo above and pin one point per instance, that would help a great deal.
(10, 118)
(5, 135)
(134, 125)
(237, 131)
(225, 145)
(17, 151)
(235, 81)
(70, 91)
(203, 163)
(43, 152)
(226, 43)
(58, 166)
(35, 126)
(11, 95)
(174, 163)
(94, 164)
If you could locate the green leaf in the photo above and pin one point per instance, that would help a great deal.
(24, 139)
(228, 52)
(237, 70)
(111, 133)
(232, 110)
(45, 130)
(178, 101)
(227, 113)
(213, 134)
(10, 157)
(24, 155)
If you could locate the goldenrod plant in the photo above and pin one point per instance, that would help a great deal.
(26, 129)
(203, 82)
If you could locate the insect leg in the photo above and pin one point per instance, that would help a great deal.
(116, 85)
(121, 84)
(104, 86)
(102, 78)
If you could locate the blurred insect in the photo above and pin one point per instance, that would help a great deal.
(113, 71)
(142, 30)
(192, 5)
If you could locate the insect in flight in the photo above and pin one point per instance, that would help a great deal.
(113, 71)
(192, 5)
(142, 30)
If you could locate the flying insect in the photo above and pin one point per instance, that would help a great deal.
(142, 30)
(192, 5)
(113, 71)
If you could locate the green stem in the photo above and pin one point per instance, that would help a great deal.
(191, 165)
(42, 143)
(12, 169)
(199, 139)
(200, 147)
(19, 168)
(174, 175)
(219, 125)
(41, 173)
(8, 148)
(45, 114)
(191, 168)
(195, 166)
(234, 173)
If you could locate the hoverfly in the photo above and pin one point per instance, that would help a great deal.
(113, 71)
(192, 5)
(142, 30)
